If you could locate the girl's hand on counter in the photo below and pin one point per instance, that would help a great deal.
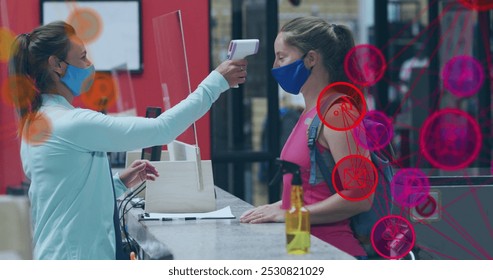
(270, 213)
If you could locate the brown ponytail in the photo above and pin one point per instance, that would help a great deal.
(29, 74)
(346, 43)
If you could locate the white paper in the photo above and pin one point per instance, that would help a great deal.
(224, 213)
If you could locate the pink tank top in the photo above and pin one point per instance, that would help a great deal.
(339, 234)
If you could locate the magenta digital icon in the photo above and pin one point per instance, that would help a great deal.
(463, 76)
(365, 65)
(375, 131)
(450, 139)
(409, 187)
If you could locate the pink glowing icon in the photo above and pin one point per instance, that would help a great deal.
(409, 187)
(463, 76)
(375, 131)
(365, 65)
(393, 237)
(450, 139)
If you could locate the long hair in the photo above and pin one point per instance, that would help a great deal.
(29, 74)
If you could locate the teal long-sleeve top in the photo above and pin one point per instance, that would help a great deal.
(71, 194)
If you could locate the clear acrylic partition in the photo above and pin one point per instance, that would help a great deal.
(175, 80)
(125, 95)
(173, 66)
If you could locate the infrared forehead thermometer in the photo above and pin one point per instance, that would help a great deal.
(239, 49)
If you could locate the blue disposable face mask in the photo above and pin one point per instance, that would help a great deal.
(78, 80)
(292, 77)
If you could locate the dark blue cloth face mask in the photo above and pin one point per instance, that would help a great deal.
(78, 80)
(292, 77)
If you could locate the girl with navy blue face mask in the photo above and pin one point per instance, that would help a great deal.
(72, 194)
(310, 55)
(291, 77)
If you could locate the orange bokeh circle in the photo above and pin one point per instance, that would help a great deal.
(102, 94)
(7, 38)
(87, 23)
(38, 129)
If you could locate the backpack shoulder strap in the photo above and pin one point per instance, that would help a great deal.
(313, 132)
(315, 127)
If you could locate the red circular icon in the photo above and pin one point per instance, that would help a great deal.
(478, 5)
(450, 139)
(344, 115)
(428, 207)
(355, 177)
(365, 65)
(393, 237)
(409, 187)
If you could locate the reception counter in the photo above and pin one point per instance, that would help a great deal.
(220, 239)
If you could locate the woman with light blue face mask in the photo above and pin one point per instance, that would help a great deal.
(72, 194)
(310, 55)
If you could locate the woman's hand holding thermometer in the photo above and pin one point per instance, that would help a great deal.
(239, 49)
